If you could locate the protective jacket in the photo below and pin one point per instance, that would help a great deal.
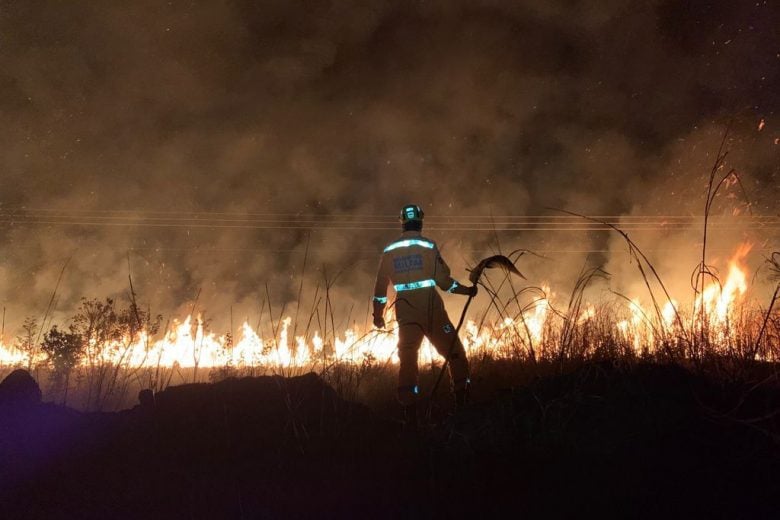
(413, 266)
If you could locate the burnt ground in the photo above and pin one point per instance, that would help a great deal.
(646, 441)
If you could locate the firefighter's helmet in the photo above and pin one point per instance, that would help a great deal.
(411, 212)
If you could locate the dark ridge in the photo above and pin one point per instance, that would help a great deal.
(628, 441)
(19, 389)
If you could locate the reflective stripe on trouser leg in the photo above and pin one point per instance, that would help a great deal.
(461, 384)
(407, 395)
(410, 338)
(447, 343)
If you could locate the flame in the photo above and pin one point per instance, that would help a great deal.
(187, 344)
(715, 304)
(714, 309)
(635, 329)
(538, 316)
(587, 314)
(11, 357)
(669, 313)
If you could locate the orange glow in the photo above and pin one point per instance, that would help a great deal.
(187, 344)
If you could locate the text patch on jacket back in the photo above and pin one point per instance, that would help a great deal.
(404, 264)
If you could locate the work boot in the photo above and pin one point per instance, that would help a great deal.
(461, 398)
(410, 418)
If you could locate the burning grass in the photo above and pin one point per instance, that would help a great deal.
(108, 353)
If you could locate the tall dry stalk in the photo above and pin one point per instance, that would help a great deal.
(643, 265)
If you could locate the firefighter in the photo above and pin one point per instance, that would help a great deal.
(413, 265)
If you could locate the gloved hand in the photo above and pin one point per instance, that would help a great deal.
(379, 322)
(472, 290)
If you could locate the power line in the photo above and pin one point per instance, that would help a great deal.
(441, 221)
(173, 215)
(542, 227)
(375, 252)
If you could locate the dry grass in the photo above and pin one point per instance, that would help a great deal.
(504, 334)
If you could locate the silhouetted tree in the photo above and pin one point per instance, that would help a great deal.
(109, 335)
(27, 340)
(63, 351)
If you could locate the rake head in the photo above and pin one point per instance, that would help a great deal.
(493, 262)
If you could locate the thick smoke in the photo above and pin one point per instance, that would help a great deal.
(347, 109)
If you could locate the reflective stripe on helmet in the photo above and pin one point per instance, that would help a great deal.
(411, 212)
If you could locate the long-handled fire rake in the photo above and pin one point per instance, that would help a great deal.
(488, 263)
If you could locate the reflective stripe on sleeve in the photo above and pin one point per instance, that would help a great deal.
(380, 299)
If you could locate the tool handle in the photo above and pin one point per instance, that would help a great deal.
(463, 314)
(449, 353)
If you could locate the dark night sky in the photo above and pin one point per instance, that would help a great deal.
(353, 107)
